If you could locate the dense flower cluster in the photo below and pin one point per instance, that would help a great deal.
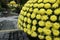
(41, 18)
(12, 4)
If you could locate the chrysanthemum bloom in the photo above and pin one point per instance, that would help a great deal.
(41, 18)
(12, 2)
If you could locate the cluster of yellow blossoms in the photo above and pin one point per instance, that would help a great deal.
(12, 3)
(40, 18)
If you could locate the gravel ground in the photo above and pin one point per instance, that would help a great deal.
(12, 18)
(6, 32)
(8, 23)
(13, 35)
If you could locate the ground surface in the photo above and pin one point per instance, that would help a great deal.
(13, 35)
(9, 31)
(8, 22)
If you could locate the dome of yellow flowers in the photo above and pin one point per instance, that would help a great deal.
(41, 18)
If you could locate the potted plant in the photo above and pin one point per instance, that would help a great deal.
(40, 19)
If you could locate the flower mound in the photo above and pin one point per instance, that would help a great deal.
(41, 18)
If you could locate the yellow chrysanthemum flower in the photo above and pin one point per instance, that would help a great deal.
(27, 9)
(38, 16)
(41, 23)
(45, 1)
(29, 20)
(56, 25)
(21, 17)
(33, 28)
(49, 12)
(40, 30)
(40, 36)
(28, 14)
(47, 31)
(40, 5)
(33, 16)
(55, 5)
(44, 17)
(57, 11)
(34, 22)
(24, 8)
(34, 13)
(34, 1)
(42, 11)
(27, 5)
(29, 31)
(12, 2)
(56, 38)
(53, 18)
(31, 5)
(55, 32)
(34, 34)
(25, 13)
(28, 26)
(35, 10)
(47, 5)
(25, 19)
(21, 28)
(30, 10)
(35, 5)
(25, 29)
(22, 12)
(58, 1)
(40, 1)
(52, 1)
(48, 24)
(21, 23)
(24, 24)
(48, 38)
(30, 1)
(15, 5)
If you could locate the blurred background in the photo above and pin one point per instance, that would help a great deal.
(9, 12)
(11, 7)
